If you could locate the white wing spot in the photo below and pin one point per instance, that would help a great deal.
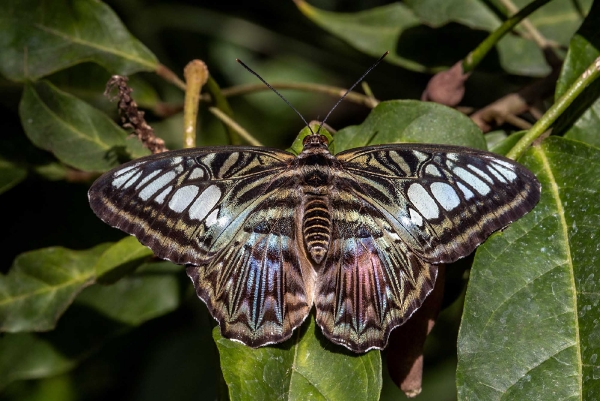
(445, 195)
(196, 173)
(433, 170)
(423, 201)
(161, 197)
(205, 202)
(212, 218)
(472, 180)
(415, 217)
(183, 197)
(496, 174)
(507, 172)
(156, 185)
(176, 160)
(132, 180)
(466, 191)
(123, 178)
(481, 173)
(125, 169)
(504, 163)
(147, 178)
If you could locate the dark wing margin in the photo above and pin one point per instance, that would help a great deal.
(371, 282)
(442, 200)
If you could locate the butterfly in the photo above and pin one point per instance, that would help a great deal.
(267, 235)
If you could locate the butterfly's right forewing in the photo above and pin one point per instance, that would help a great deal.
(228, 213)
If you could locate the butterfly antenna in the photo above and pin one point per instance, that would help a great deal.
(278, 94)
(352, 87)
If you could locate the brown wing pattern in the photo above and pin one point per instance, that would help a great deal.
(442, 200)
(229, 213)
(371, 282)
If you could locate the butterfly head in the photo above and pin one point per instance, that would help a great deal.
(315, 141)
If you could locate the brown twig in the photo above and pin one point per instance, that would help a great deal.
(131, 116)
(514, 104)
(405, 349)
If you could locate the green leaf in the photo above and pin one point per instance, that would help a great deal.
(517, 54)
(41, 285)
(581, 121)
(505, 145)
(152, 291)
(98, 314)
(75, 132)
(10, 175)
(306, 367)
(38, 39)
(530, 324)
(472, 13)
(87, 81)
(398, 28)
(26, 356)
(121, 259)
(373, 31)
(398, 121)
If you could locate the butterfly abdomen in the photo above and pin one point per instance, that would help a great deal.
(317, 227)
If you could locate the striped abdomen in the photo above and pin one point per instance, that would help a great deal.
(316, 227)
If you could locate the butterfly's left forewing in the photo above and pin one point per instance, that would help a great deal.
(228, 213)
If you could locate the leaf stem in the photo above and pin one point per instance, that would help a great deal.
(216, 95)
(169, 76)
(317, 88)
(544, 123)
(229, 122)
(196, 75)
(476, 56)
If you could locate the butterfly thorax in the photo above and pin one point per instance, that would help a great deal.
(316, 163)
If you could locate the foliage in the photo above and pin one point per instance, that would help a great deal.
(88, 314)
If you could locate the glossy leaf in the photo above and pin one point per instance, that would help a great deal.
(398, 121)
(38, 39)
(472, 13)
(26, 356)
(10, 175)
(120, 259)
(373, 31)
(306, 367)
(531, 319)
(98, 314)
(152, 291)
(397, 28)
(41, 284)
(75, 132)
(582, 120)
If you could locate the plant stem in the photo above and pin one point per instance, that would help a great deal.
(544, 123)
(219, 99)
(196, 75)
(169, 76)
(229, 122)
(474, 58)
(326, 89)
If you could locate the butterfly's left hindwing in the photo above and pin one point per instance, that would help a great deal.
(371, 282)
(228, 212)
